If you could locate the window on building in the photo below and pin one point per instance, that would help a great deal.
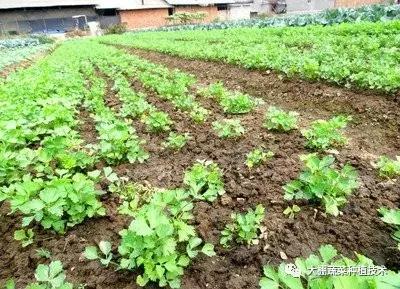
(107, 12)
(170, 11)
(253, 14)
(221, 7)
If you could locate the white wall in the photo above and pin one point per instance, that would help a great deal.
(238, 11)
(309, 5)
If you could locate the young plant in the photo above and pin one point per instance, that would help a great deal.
(325, 134)
(176, 141)
(157, 121)
(204, 180)
(291, 211)
(50, 276)
(160, 241)
(133, 196)
(25, 236)
(392, 217)
(321, 182)
(58, 203)
(279, 120)
(245, 227)
(43, 253)
(258, 156)
(91, 253)
(301, 274)
(228, 128)
(388, 168)
(199, 114)
(237, 103)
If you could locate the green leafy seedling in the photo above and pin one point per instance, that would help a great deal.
(291, 211)
(43, 253)
(325, 134)
(257, 156)
(244, 228)
(24, 236)
(50, 276)
(279, 120)
(320, 181)
(388, 168)
(176, 141)
(92, 253)
(228, 128)
(392, 217)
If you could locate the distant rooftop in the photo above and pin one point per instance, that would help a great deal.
(100, 4)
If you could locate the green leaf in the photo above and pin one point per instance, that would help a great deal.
(105, 247)
(208, 249)
(91, 253)
(141, 227)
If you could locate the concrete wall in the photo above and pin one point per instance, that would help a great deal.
(212, 11)
(355, 3)
(239, 11)
(144, 18)
(309, 5)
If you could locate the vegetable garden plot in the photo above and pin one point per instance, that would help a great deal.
(361, 55)
(160, 218)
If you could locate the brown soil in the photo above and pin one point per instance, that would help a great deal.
(375, 131)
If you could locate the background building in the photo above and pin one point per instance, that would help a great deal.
(59, 16)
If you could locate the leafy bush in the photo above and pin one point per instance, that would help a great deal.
(160, 241)
(245, 227)
(257, 157)
(328, 256)
(116, 29)
(324, 134)
(176, 141)
(158, 121)
(228, 128)
(59, 203)
(389, 168)
(321, 182)
(204, 180)
(392, 217)
(277, 119)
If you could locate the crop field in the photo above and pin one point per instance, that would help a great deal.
(204, 159)
(14, 51)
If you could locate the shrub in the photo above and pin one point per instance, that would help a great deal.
(119, 28)
(388, 168)
(320, 182)
(245, 227)
(279, 120)
(204, 180)
(228, 128)
(324, 134)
